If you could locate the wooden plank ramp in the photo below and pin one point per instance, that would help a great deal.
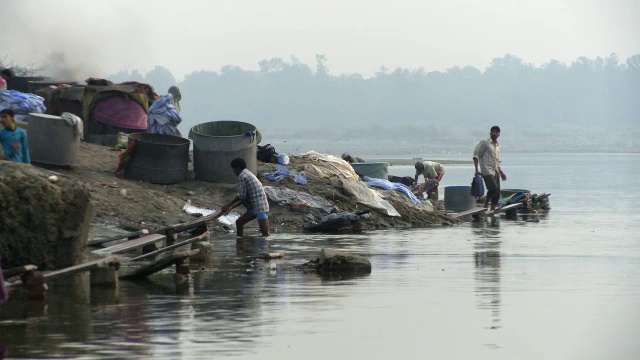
(131, 244)
(102, 240)
(202, 237)
(469, 212)
(17, 271)
(503, 209)
(81, 267)
(7, 273)
(72, 270)
(165, 262)
(165, 230)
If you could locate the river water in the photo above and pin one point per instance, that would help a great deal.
(567, 287)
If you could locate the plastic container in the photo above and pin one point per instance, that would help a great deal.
(158, 159)
(301, 178)
(216, 143)
(458, 198)
(52, 141)
(377, 170)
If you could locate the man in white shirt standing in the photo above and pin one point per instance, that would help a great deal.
(487, 154)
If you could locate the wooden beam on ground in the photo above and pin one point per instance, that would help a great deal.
(131, 244)
(176, 228)
(81, 267)
(504, 208)
(202, 237)
(184, 227)
(99, 241)
(7, 273)
(469, 212)
(165, 230)
(165, 262)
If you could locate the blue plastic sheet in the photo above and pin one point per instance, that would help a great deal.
(21, 103)
(301, 178)
(280, 174)
(388, 185)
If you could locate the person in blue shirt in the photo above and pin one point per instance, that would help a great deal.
(13, 139)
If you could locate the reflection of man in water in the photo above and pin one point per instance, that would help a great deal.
(487, 271)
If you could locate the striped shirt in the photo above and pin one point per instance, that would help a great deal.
(488, 154)
(251, 193)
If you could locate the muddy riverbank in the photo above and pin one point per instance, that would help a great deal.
(126, 204)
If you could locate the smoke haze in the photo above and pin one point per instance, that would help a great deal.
(425, 72)
(103, 37)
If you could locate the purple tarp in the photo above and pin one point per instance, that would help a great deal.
(120, 112)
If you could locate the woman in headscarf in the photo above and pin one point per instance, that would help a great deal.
(177, 96)
(164, 114)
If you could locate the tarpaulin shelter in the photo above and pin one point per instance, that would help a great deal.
(66, 99)
(110, 109)
(23, 83)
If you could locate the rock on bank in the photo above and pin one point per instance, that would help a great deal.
(43, 221)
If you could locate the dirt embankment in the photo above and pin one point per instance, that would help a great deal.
(131, 204)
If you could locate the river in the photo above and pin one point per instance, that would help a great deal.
(566, 287)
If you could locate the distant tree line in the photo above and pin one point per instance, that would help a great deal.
(289, 97)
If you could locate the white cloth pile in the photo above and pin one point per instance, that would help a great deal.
(73, 120)
(323, 166)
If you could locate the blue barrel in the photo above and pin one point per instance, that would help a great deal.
(216, 143)
(158, 159)
(458, 198)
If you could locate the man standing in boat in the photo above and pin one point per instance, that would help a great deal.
(250, 194)
(487, 154)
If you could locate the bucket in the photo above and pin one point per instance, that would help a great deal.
(377, 170)
(216, 143)
(158, 159)
(458, 198)
(52, 141)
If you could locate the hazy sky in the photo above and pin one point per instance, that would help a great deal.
(357, 36)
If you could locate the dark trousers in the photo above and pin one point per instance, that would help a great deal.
(492, 183)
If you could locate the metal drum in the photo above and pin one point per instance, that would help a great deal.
(158, 159)
(52, 141)
(216, 143)
(458, 198)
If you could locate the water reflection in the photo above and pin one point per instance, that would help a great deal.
(250, 246)
(66, 316)
(487, 268)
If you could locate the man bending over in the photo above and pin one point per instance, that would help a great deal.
(250, 194)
